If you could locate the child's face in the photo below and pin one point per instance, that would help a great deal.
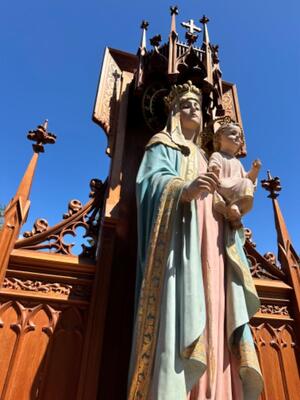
(231, 140)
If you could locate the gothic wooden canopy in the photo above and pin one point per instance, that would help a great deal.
(66, 320)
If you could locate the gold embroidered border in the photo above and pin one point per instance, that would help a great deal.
(189, 168)
(248, 357)
(235, 256)
(162, 138)
(196, 350)
(189, 171)
(151, 292)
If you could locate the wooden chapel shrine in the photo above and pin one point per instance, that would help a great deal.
(66, 321)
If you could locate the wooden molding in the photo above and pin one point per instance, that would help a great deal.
(54, 262)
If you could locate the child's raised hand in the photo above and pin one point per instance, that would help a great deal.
(256, 164)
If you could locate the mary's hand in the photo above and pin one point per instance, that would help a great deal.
(205, 183)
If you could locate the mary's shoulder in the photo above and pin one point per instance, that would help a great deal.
(162, 138)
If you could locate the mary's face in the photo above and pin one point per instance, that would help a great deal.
(190, 115)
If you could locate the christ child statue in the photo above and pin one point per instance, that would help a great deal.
(234, 195)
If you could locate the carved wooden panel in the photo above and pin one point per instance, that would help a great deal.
(10, 315)
(108, 97)
(231, 106)
(41, 350)
(277, 352)
(230, 102)
(24, 351)
(78, 290)
(62, 364)
(107, 93)
(44, 306)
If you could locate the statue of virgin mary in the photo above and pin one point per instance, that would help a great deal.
(194, 293)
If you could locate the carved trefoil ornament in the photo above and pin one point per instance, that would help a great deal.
(43, 238)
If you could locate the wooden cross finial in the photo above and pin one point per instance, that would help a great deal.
(204, 20)
(191, 29)
(144, 24)
(190, 26)
(174, 10)
(116, 75)
(272, 185)
(41, 136)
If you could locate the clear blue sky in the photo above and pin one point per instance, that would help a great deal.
(51, 53)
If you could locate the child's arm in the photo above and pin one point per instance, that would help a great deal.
(215, 163)
(253, 173)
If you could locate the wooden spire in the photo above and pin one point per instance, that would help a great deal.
(16, 212)
(272, 185)
(204, 20)
(287, 256)
(142, 51)
(206, 47)
(173, 37)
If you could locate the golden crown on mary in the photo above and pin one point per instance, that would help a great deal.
(186, 90)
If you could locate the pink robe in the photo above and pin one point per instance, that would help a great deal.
(221, 380)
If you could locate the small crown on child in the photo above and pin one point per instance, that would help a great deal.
(187, 90)
(224, 122)
(227, 120)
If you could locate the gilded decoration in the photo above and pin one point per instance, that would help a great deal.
(151, 291)
(234, 255)
(148, 311)
(196, 350)
(248, 356)
(228, 105)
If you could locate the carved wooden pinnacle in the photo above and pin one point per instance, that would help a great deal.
(174, 10)
(41, 136)
(272, 185)
(204, 20)
(155, 41)
(144, 24)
